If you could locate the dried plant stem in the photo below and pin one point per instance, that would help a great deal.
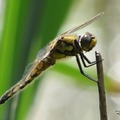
(101, 88)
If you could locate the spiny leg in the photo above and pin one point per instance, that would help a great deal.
(84, 58)
(81, 70)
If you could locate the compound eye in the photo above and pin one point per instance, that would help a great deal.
(88, 41)
(93, 37)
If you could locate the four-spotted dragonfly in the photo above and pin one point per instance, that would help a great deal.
(66, 44)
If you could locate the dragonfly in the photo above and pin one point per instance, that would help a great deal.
(65, 45)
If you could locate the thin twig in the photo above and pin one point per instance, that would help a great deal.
(101, 88)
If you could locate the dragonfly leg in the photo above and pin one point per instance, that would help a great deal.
(81, 70)
(84, 58)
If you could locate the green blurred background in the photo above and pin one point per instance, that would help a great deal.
(61, 93)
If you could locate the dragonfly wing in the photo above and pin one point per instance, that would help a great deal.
(28, 69)
(84, 24)
(41, 55)
(46, 50)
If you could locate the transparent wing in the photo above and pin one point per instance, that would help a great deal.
(28, 69)
(46, 50)
(84, 24)
(41, 55)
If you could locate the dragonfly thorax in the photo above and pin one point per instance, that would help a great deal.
(87, 41)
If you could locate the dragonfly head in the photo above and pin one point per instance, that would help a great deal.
(87, 41)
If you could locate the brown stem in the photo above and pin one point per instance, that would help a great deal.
(101, 87)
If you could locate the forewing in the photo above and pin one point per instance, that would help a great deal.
(84, 24)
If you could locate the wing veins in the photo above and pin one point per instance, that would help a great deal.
(84, 24)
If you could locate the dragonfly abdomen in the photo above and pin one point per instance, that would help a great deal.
(35, 72)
